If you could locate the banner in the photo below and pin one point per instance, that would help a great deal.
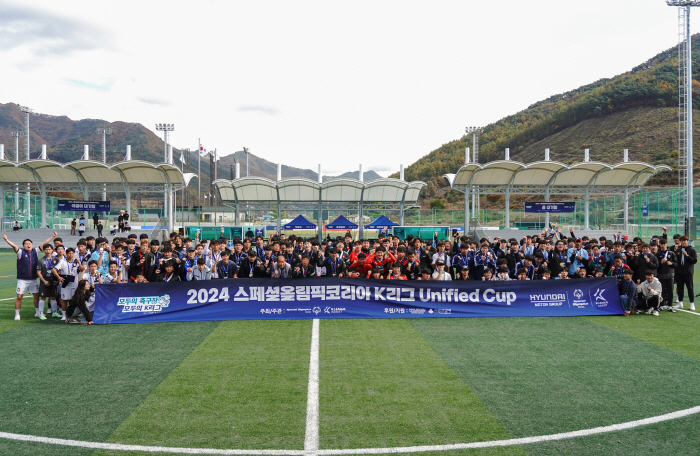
(79, 206)
(550, 207)
(274, 299)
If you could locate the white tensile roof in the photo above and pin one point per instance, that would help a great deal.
(260, 189)
(90, 172)
(542, 174)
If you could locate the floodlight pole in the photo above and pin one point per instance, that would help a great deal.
(247, 163)
(104, 132)
(26, 110)
(685, 108)
(475, 158)
(165, 128)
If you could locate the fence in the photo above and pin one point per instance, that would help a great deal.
(605, 213)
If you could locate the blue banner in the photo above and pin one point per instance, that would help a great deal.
(550, 207)
(645, 210)
(80, 206)
(274, 299)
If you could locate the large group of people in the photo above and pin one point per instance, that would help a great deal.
(67, 277)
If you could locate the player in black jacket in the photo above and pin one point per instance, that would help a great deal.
(687, 257)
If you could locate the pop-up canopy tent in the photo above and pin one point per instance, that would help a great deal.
(341, 223)
(300, 223)
(380, 223)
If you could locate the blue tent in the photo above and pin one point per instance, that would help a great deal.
(341, 223)
(380, 223)
(299, 223)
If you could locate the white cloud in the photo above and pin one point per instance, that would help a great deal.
(259, 109)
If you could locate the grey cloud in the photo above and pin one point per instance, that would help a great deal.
(46, 33)
(153, 101)
(270, 111)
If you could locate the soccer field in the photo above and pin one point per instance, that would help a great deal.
(429, 386)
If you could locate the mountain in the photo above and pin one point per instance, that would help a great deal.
(263, 168)
(367, 176)
(636, 110)
(65, 139)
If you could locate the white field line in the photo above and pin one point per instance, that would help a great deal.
(411, 449)
(12, 299)
(311, 438)
(688, 311)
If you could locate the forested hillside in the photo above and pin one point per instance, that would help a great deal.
(635, 110)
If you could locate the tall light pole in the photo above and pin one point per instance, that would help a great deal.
(685, 109)
(17, 134)
(475, 154)
(165, 128)
(247, 163)
(104, 132)
(26, 110)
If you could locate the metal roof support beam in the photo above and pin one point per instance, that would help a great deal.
(467, 191)
(2, 205)
(279, 216)
(403, 200)
(43, 205)
(507, 208)
(127, 192)
(626, 211)
(171, 208)
(546, 200)
(320, 216)
(586, 201)
(85, 213)
(361, 222)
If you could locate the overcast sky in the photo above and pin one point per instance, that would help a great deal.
(301, 83)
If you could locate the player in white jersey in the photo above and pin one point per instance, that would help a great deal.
(66, 271)
(114, 275)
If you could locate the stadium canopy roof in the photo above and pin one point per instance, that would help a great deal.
(307, 194)
(89, 175)
(334, 194)
(549, 177)
(85, 176)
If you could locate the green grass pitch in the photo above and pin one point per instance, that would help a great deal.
(382, 383)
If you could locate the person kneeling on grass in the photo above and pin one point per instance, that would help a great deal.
(628, 292)
(649, 294)
(79, 303)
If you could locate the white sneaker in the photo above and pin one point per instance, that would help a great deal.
(16, 317)
(655, 313)
(679, 305)
(692, 306)
(63, 318)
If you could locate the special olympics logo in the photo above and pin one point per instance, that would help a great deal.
(578, 294)
(317, 310)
